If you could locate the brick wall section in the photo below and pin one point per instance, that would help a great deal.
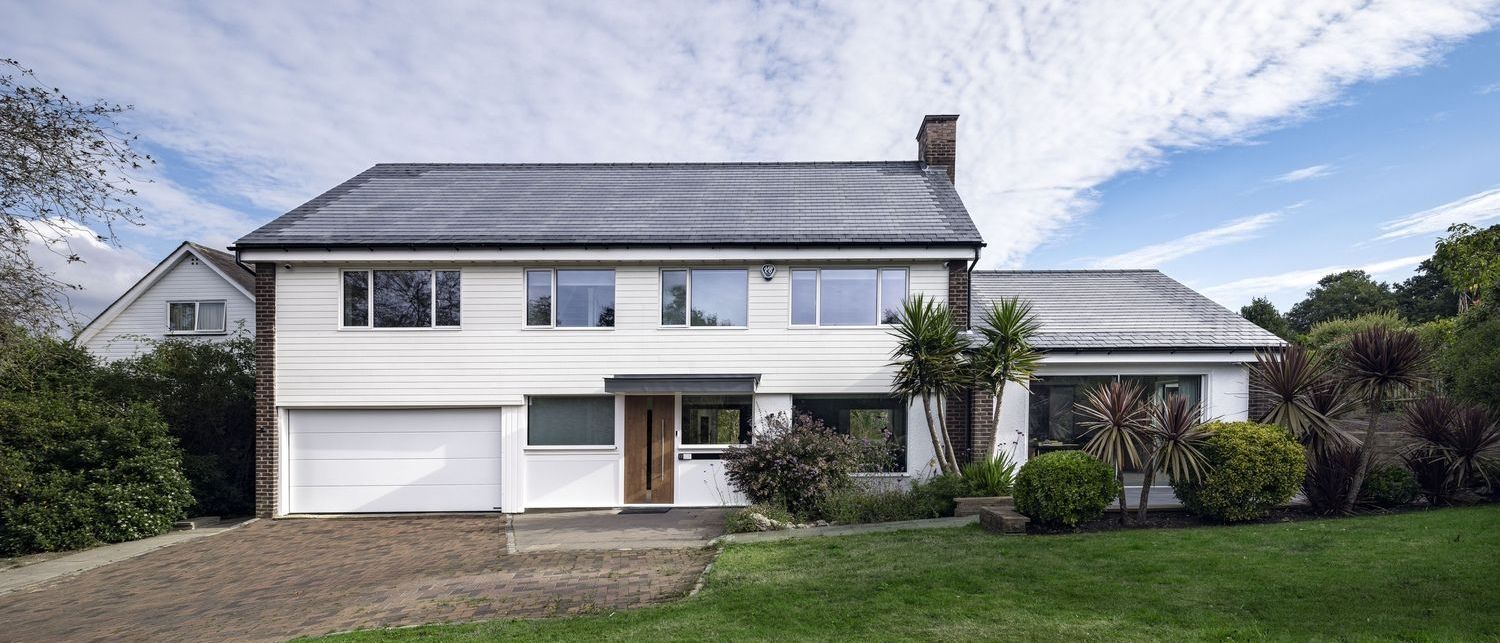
(1260, 402)
(937, 143)
(267, 437)
(956, 409)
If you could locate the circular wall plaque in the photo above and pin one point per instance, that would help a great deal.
(768, 271)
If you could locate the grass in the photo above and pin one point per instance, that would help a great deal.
(1415, 576)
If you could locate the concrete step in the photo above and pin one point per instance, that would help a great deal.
(1003, 521)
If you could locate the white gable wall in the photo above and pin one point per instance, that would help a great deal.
(186, 280)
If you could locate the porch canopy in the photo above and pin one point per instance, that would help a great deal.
(715, 384)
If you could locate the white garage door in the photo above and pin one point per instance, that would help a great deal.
(368, 460)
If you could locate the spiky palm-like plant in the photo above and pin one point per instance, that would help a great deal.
(1306, 399)
(1115, 420)
(1379, 363)
(1428, 426)
(1006, 354)
(929, 361)
(1475, 446)
(1176, 437)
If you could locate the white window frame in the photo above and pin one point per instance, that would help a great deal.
(370, 300)
(552, 281)
(196, 317)
(687, 321)
(818, 295)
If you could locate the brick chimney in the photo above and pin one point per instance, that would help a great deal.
(937, 142)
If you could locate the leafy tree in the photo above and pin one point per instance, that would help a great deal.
(1343, 294)
(1263, 313)
(1470, 360)
(1470, 260)
(930, 366)
(1006, 355)
(65, 169)
(1426, 296)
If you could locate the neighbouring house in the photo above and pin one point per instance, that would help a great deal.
(1103, 325)
(195, 292)
(474, 337)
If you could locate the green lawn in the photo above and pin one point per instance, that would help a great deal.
(1417, 576)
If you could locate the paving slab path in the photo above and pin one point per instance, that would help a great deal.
(274, 580)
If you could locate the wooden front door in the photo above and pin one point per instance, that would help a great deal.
(650, 451)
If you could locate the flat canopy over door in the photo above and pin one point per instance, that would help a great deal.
(374, 460)
(650, 449)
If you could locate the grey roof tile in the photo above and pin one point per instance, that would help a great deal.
(900, 202)
(1119, 309)
(241, 274)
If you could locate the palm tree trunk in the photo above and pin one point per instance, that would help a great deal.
(997, 399)
(1377, 404)
(943, 429)
(1120, 478)
(1146, 482)
(937, 444)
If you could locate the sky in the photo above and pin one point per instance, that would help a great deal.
(1244, 148)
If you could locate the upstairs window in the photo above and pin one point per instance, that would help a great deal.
(401, 298)
(705, 297)
(570, 298)
(847, 296)
(195, 317)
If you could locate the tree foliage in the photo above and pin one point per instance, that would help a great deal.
(1469, 258)
(1425, 296)
(65, 172)
(930, 366)
(1340, 295)
(1263, 313)
(1005, 355)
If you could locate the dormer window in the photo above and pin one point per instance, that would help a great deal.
(187, 317)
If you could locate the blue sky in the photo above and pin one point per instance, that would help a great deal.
(1243, 147)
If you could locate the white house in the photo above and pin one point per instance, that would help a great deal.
(195, 292)
(474, 337)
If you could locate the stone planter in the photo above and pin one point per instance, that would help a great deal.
(971, 506)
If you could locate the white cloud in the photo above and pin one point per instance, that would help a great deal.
(1238, 292)
(1475, 209)
(1157, 254)
(102, 271)
(1304, 174)
(1488, 89)
(262, 106)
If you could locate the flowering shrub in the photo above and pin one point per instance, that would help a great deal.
(798, 463)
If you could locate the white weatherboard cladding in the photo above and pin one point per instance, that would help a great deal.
(350, 460)
(186, 280)
(493, 361)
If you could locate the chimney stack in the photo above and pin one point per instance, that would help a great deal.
(937, 142)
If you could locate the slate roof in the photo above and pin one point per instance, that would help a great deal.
(849, 203)
(241, 274)
(1093, 310)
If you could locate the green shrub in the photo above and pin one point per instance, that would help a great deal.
(1255, 467)
(738, 521)
(940, 490)
(1330, 337)
(1470, 362)
(1390, 486)
(993, 477)
(80, 472)
(798, 463)
(1065, 488)
(205, 391)
(856, 506)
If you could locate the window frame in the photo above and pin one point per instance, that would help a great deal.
(719, 447)
(614, 432)
(370, 300)
(898, 408)
(196, 317)
(818, 296)
(552, 281)
(687, 302)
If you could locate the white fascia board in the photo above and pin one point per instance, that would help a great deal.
(99, 322)
(605, 254)
(1181, 357)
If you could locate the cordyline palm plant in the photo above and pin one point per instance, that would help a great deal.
(1175, 439)
(1450, 446)
(1116, 421)
(1379, 363)
(1306, 398)
(929, 361)
(1006, 354)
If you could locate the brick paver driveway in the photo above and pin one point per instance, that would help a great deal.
(276, 580)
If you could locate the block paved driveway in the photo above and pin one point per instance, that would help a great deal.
(273, 580)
